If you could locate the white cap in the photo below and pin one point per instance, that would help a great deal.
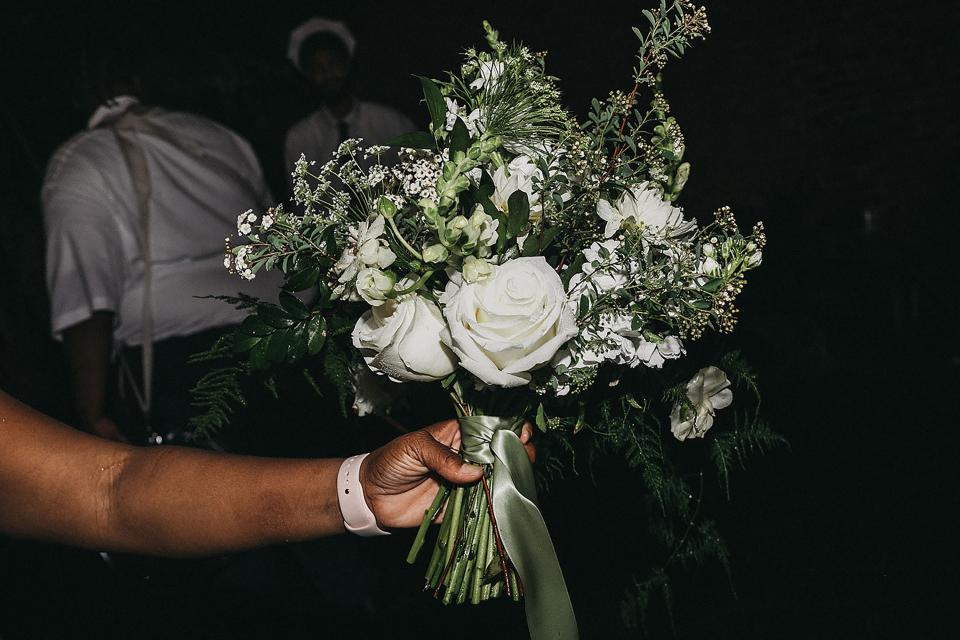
(318, 25)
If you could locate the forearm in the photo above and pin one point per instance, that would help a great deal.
(175, 501)
(62, 485)
(88, 346)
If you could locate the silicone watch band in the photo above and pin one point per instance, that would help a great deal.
(357, 516)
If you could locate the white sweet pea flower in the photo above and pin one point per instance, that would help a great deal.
(644, 208)
(373, 285)
(401, 339)
(487, 75)
(510, 323)
(708, 391)
(365, 248)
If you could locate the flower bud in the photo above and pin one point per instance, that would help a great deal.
(476, 269)
(387, 208)
(709, 250)
(375, 285)
(435, 253)
(490, 144)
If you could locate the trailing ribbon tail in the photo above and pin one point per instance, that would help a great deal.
(493, 440)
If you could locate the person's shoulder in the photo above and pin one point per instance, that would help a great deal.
(194, 122)
(305, 124)
(81, 158)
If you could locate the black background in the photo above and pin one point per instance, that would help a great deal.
(834, 122)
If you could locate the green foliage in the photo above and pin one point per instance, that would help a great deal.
(217, 393)
(748, 437)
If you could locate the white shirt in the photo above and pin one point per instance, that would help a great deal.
(92, 221)
(318, 135)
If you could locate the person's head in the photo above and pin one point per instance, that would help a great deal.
(324, 59)
(104, 70)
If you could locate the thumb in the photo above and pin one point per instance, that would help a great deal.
(447, 463)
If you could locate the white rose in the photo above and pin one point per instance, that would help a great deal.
(643, 207)
(401, 338)
(373, 285)
(708, 391)
(510, 323)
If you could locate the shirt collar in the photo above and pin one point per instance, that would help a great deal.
(111, 109)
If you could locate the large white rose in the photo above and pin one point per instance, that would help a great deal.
(401, 338)
(510, 323)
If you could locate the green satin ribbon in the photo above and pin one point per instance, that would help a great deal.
(496, 441)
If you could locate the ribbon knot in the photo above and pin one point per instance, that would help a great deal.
(496, 441)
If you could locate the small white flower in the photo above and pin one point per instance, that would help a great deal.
(644, 208)
(365, 249)
(708, 391)
(487, 75)
(266, 222)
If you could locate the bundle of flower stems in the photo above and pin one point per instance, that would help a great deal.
(468, 562)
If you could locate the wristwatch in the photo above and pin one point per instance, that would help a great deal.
(357, 516)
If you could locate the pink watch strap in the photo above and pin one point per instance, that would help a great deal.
(357, 516)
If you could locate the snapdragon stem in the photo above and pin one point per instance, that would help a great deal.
(399, 236)
(428, 517)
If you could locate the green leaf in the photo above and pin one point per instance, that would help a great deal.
(316, 334)
(303, 278)
(536, 243)
(273, 316)
(243, 343)
(278, 344)
(584, 305)
(415, 140)
(258, 355)
(459, 137)
(713, 285)
(541, 418)
(253, 326)
(519, 213)
(292, 305)
(435, 103)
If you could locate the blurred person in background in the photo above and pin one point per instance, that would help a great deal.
(136, 209)
(322, 50)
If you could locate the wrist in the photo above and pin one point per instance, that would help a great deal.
(358, 517)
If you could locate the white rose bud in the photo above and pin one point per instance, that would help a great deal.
(373, 285)
(509, 324)
(401, 338)
(476, 269)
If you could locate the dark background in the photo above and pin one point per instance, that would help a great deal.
(834, 122)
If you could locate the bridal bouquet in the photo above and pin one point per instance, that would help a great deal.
(523, 260)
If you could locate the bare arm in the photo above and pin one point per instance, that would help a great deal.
(62, 485)
(88, 346)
